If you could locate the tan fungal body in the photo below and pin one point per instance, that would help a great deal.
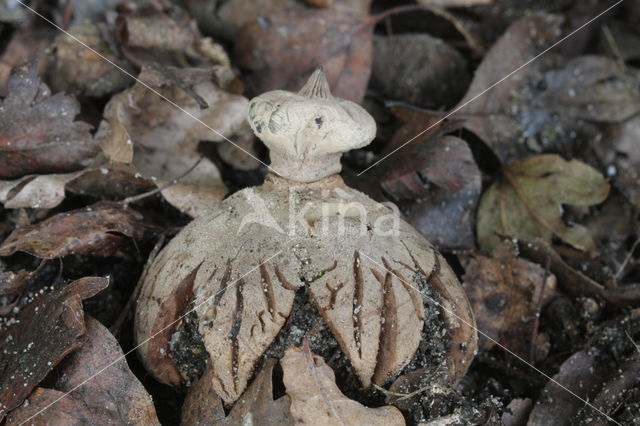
(241, 264)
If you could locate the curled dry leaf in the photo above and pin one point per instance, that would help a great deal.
(526, 203)
(79, 70)
(437, 185)
(507, 294)
(257, 405)
(165, 139)
(38, 131)
(97, 230)
(418, 69)
(552, 103)
(39, 192)
(49, 328)
(112, 396)
(316, 399)
(280, 51)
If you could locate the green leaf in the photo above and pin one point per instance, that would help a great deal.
(526, 203)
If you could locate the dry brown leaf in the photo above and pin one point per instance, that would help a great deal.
(507, 294)
(165, 139)
(38, 192)
(202, 406)
(527, 202)
(49, 328)
(68, 411)
(224, 18)
(38, 131)
(97, 230)
(316, 399)
(79, 70)
(437, 185)
(26, 44)
(114, 396)
(116, 143)
(418, 69)
(551, 104)
(280, 51)
(12, 285)
(256, 406)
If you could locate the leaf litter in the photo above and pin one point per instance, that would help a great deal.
(546, 160)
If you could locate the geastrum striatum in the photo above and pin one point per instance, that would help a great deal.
(239, 266)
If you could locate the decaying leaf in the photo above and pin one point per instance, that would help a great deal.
(150, 36)
(113, 396)
(40, 336)
(202, 406)
(38, 131)
(427, 73)
(116, 143)
(526, 203)
(165, 139)
(11, 286)
(79, 70)
(282, 50)
(507, 294)
(256, 406)
(67, 411)
(36, 191)
(551, 103)
(316, 399)
(437, 185)
(98, 229)
(225, 18)
(593, 376)
(25, 44)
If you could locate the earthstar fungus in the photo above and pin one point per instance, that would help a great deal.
(240, 265)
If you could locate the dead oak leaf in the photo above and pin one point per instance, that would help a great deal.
(506, 294)
(552, 103)
(437, 185)
(41, 335)
(256, 406)
(281, 50)
(165, 139)
(316, 399)
(115, 397)
(80, 70)
(37, 128)
(526, 203)
(67, 411)
(96, 230)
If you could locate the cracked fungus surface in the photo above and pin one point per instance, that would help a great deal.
(367, 282)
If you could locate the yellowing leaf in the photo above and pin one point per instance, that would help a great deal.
(527, 202)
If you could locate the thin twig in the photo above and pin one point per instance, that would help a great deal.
(161, 188)
(614, 46)
(626, 259)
